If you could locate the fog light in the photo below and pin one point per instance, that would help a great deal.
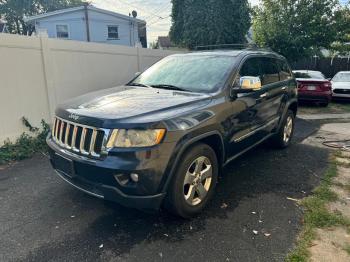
(123, 179)
(134, 177)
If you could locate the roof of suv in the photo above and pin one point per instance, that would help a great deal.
(233, 53)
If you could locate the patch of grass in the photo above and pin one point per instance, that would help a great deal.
(347, 248)
(316, 215)
(333, 107)
(301, 252)
(26, 145)
(345, 106)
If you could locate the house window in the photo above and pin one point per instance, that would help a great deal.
(62, 31)
(113, 32)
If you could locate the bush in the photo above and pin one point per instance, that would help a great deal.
(27, 144)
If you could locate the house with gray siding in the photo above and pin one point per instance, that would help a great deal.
(91, 24)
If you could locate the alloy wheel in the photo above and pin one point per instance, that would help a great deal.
(198, 180)
(288, 129)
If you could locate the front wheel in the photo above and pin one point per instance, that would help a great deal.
(283, 137)
(194, 182)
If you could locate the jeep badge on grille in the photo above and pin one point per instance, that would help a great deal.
(73, 116)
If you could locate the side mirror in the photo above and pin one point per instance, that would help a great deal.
(248, 84)
(329, 79)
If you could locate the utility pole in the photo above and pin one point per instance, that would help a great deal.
(86, 11)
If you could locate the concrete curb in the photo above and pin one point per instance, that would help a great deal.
(324, 116)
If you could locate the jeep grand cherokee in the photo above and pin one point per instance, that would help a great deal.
(162, 138)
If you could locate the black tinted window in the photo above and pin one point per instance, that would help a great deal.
(285, 72)
(270, 71)
(251, 67)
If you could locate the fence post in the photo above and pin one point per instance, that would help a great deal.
(138, 59)
(48, 73)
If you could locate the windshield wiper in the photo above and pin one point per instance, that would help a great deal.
(139, 84)
(170, 87)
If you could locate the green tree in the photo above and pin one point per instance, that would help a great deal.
(14, 12)
(207, 22)
(342, 44)
(298, 28)
(154, 44)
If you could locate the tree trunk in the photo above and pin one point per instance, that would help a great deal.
(17, 26)
(24, 27)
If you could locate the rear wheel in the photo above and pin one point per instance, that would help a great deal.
(194, 182)
(283, 137)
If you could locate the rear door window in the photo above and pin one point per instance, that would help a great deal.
(270, 71)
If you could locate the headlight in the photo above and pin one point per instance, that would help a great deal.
(135, 138)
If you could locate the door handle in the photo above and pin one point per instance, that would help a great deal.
(284, 88)
(263, 95)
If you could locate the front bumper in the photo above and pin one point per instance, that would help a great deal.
(113, 194)
(98, 177)
(345, 96)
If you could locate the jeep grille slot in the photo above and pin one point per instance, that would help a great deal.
(86, 140)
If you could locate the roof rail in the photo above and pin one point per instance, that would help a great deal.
(250, 46)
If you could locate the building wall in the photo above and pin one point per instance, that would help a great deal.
(74, 20)
(98, 23)
(37, 73)
(128, 32)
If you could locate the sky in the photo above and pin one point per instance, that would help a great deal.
(155, 12)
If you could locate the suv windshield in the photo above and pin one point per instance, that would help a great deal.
(309, 74)
(189, 73)
(341, 77)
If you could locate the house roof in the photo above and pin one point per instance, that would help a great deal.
(164, 41)
(74, 9)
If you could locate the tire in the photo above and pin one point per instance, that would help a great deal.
(179, 199)
(281, 139)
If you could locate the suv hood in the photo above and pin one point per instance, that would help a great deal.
(130, 105)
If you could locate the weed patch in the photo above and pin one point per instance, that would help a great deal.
(26, 145)
(316, 215)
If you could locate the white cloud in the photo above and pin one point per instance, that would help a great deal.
(155, 12)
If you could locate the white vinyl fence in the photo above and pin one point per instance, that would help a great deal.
(37, 73)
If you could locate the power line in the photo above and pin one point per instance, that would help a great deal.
(140, 9)
(160, 10)
(147, 25)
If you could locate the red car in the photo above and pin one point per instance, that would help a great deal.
(313, 87)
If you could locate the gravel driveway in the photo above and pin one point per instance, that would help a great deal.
(44, 219)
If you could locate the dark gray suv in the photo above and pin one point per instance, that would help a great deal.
(162, 138)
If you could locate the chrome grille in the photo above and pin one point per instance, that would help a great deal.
(86, 140)
(342, 91)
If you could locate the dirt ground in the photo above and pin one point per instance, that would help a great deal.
(333, 244)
